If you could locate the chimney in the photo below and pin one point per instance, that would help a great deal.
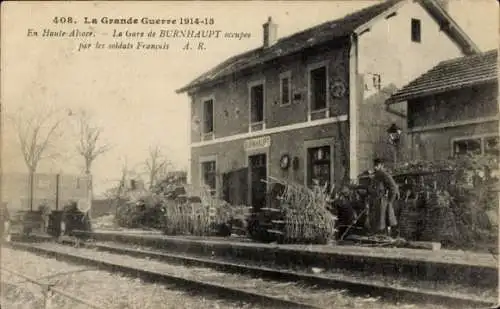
(270, 33)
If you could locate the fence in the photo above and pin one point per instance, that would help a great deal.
(49, 289)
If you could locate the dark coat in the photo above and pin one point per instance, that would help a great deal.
(384, 185)
(384, 191)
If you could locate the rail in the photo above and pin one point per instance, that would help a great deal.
(49, 289)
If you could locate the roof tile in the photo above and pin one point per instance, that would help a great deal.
(308, 38)
(451, 74)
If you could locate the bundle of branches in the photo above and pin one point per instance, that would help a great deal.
(196, 216)
(440, 222)
(305, 212)
(462, 211)
(144, 211)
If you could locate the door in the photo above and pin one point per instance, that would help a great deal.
(235, 187)
(257, 172)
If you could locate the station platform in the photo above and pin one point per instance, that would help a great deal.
(449, 265)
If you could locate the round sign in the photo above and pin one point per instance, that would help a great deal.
(338, 89)
(284, 161)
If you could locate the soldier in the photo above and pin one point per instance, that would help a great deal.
(5, 223)
(45, 212)
(384, 192)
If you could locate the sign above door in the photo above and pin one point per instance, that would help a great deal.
(257, 143)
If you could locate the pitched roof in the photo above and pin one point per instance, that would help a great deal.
(323, 33)
(451, 74)
(308, 38)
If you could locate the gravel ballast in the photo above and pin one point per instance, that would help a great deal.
(115, 291)
(107, 290)
(343, 274)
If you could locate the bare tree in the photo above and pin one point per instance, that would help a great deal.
(37, 133)
(157, 165)
(89, 147)
(117, 193)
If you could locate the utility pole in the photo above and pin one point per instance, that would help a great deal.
(32, 189)
(58, 176)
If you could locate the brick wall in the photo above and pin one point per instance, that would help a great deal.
(231, 156)
(462, 104)
(471, 103)
(231, 106)
(437, 144)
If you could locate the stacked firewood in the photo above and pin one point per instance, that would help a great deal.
(305, 213)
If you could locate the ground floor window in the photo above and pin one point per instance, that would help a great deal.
(476, 146)
(209, 176)
(319, 166)
(491, 145)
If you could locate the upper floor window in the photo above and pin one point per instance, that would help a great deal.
(257, 106)
(208, 117)
(416, 31)
(318, 94)
(285, 88)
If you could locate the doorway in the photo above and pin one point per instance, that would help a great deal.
(257, 168)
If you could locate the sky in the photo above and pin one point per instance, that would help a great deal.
(131, 93)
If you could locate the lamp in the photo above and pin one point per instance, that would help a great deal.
(394, 134)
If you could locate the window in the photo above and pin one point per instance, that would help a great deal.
(285, 88)
(319, 166)
(318, 87)
(467, 146)
(415, 30)
(209, 176)
(257, 107)
(487, 145)
(208, 117)
(491, 146)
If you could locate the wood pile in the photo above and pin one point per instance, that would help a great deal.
(305, 213)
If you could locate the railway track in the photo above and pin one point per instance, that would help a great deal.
(269, 292)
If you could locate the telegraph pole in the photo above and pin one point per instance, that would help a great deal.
(58, 176)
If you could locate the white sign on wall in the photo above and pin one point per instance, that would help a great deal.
(257, 143)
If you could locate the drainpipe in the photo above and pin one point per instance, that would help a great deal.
(353, 107)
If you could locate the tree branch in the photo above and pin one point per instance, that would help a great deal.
(88, 146)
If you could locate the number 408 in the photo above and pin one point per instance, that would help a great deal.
(62, 20)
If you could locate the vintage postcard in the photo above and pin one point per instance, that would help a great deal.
(249, 154)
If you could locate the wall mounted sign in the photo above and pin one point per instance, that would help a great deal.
(338, 88)
(285, 162)
(257, 143)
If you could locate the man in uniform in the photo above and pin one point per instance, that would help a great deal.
(384, 192)
(4, 222)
